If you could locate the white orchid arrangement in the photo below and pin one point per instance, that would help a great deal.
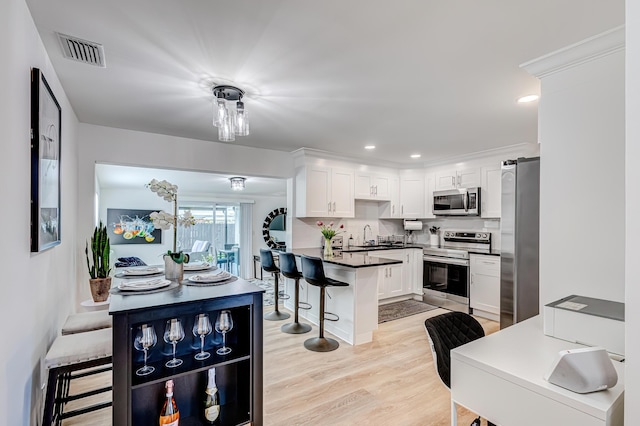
(164, 220)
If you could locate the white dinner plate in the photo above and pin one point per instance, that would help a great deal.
(144, 285)
(141, 271)
(197, 266)
(210, 278)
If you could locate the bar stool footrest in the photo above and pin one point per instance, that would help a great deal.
(283, 296)
(304, 305)
(333, 317)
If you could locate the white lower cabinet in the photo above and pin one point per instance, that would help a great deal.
(399, 279)
(484, 293)
(390, 281)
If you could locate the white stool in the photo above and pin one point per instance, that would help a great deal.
(69, 353)
(87, 321)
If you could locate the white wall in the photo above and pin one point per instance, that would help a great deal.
(581, 130)
(99, 144)
(632, 287)
(38, 289)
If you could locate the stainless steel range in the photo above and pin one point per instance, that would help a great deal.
(446, 269)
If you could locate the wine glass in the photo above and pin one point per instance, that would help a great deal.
(224, 324)
(202, 328)
(173, 333)
(145, 338)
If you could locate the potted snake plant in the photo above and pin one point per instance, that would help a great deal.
(99, 269)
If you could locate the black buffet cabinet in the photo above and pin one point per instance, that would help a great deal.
(138, 399)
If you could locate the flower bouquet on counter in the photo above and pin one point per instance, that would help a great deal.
(175, 259)
(328, 232)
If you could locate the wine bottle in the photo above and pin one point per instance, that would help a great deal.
(170, 416)
(211, 402)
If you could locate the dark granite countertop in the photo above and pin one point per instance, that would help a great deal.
(348, 259)
(360, 249)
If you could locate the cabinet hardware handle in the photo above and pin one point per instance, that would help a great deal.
(386, 272)
(393, 209)
(371, 190)
(453, 181)
(376, 190)
(329, 209)
(402, 209)
(390, 271)
(334, 206)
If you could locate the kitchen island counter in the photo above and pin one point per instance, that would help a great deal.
(350, 260)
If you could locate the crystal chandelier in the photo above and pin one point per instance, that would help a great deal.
(229, 114)
(237, 183)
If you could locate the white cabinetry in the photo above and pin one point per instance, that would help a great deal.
(430, 186)
(484, 293)
(400, 279)
(370, 186)
(412, 196)
(324, 192)
(390, 281)
(454, 179)
(491, 192)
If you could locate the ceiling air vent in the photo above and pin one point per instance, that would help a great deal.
(80, 50)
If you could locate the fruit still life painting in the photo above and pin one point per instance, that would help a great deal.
(126, 226)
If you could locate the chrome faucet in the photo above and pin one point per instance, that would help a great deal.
(364, 235)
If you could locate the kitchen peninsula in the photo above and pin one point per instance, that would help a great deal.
(355, 305)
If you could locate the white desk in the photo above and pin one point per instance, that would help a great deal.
(500, 377)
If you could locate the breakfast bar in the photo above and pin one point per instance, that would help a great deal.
(356, 305)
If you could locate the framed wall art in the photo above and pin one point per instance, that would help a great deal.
(127, 226)
(46, 121)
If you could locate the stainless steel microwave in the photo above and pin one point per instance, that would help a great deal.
(457, 202)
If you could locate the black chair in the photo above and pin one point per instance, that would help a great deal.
(447, 332)
(313, 273)
(267, 263)
(289, 269)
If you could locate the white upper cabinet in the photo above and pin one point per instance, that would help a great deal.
(457, 178)
(324, 192)
(491, 195)
(412, 196)
(430, 186)
(391, 210)
(370, 186)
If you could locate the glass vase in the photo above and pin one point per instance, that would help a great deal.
(328, 250)
(172, 269)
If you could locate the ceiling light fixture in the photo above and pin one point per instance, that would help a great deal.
(415, 155)
(231, 120)
(237, 183)
(370, 147)
(527, 98)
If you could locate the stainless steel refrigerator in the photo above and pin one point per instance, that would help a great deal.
(520, 231)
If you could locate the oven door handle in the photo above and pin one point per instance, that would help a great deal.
(446, 261)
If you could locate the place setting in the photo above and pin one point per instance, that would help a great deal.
(146, 286)
(217, 277)
(199, 266)
(144, 271)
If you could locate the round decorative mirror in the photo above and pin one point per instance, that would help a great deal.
(274, 228)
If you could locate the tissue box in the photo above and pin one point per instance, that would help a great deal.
(586, 320)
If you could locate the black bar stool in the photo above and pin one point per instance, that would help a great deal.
(313, 273)
(267, 263)
(290, 270)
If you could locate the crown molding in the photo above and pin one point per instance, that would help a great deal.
(505, 152)
(299, 155)
(587, 50)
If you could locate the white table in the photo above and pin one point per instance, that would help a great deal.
(500, 377)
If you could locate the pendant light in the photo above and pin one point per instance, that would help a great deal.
(229, 113)
(237, 183)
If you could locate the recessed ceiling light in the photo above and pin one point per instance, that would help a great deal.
(527, 98)
(415, 155)
(370, 147)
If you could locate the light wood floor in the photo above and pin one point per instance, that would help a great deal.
(391, 381)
